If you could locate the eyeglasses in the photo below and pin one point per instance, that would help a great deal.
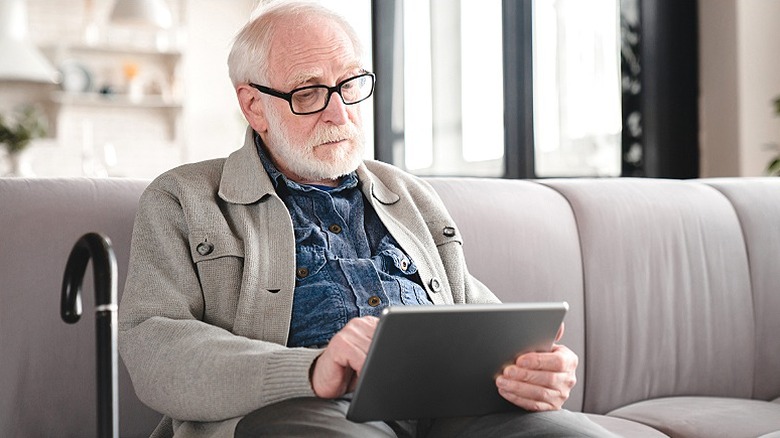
(315, 98)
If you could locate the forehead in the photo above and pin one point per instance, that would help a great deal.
(311, 48)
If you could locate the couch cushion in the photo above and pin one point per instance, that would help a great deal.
(705, 417)
(757, 203)
(47, 369)
(520, 239)
(626, 428)
(667, 291)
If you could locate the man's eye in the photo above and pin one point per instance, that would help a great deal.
(306, 95)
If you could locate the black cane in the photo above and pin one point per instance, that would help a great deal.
(98, 247)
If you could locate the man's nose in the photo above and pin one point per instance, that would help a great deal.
(336, 111)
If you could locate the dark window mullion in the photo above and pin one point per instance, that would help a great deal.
(518, 89)
(383, 29)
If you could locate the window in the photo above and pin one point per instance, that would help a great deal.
(453, 119)
(576, 88)
(443, 110)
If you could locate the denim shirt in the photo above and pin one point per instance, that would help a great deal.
(347, 263)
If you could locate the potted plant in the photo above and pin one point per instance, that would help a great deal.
(773, 169)
(17, 132)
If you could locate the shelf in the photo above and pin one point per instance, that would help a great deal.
(113, 100)
(129, 50)
(111, 50)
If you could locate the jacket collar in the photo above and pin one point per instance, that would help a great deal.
(372, 186)
(245, 181)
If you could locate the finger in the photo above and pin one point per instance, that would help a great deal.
(336, 369)
(560, 359)
(351, 343)
(561, 330)
(558, 381)
(535, 385)
(530, 397)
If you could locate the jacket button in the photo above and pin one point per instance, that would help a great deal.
(435, 285)
(335, 228)
(302, 272)
(449, 231)
(374, 301)
(404, 264)
(205, 248)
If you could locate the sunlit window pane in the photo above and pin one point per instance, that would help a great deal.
(482, 87)
(453, 87)
(418, 96)
(577, 101)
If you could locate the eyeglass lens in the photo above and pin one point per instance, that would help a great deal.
(313, 99)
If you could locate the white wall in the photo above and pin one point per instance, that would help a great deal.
(719, 99)
(213, 123)
(740, 76)
(759, 81)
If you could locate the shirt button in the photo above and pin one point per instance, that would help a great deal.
(302, 272)
(435, 284)
(335, 228)
(374, 301)
(449, 231)
(205, 248)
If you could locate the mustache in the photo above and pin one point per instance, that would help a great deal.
(329, 134)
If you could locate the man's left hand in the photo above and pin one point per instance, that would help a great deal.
(540, 381)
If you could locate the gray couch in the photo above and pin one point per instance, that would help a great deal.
(674, 289)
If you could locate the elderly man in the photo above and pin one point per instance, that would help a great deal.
(255, 281)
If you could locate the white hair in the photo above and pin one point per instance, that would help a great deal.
(248, 59)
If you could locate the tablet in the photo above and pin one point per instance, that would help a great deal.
(442, 361)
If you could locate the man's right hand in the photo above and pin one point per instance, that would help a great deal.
(335, 371)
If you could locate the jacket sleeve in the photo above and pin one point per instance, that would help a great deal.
(180, 365)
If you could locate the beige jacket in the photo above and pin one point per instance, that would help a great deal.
(205, 313)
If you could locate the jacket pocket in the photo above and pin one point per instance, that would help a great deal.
(209, 245)
(219, 259)
(444, 232)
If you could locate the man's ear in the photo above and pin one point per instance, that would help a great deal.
(252, 107)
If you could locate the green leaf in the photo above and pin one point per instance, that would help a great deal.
(27, 126)
(774, 167)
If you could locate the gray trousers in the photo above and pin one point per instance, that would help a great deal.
(313, 417)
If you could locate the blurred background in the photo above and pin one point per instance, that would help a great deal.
(512, 88)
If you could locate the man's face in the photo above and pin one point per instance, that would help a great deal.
(320, 147)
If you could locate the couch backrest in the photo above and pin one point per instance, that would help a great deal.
(757, 203)
(47, 367)
(667, 291)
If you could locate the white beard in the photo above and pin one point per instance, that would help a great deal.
(302, 161)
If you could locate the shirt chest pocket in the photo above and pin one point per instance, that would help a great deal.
(394, 262)
(309, 265)
(219, 259)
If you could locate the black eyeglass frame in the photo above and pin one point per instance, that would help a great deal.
(334, 89)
